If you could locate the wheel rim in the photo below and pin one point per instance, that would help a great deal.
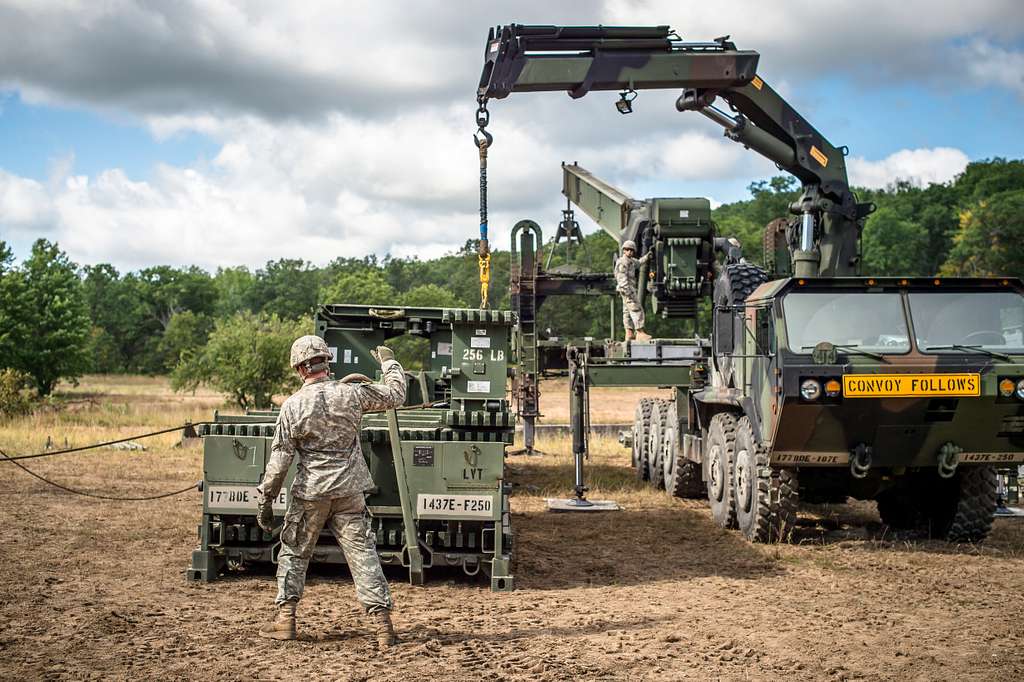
(717, 482)
(668, 461)
(635, 454)
(653, 448)
(743, 487)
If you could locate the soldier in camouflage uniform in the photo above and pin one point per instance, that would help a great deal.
(625, 284)
(319, 424)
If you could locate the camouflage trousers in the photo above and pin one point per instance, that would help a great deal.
(346, 518)
(632, 312)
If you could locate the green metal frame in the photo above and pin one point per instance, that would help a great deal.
(451, 450)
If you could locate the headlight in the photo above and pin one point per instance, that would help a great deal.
(832, 388)
(1020, 389)
(810, 389)
(1007, 387)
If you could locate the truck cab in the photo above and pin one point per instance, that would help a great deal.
(908, 391)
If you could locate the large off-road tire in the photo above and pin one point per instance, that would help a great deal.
(641, 437)
(958, 509)
(899, 508)
(720, 445)
(737, 281)
(682, 476)
(766, 497)
(656, 444)
(962, 510)
(733, 286)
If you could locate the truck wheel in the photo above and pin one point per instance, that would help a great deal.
(641, 435)
(766, 496)
(719, 449)
(898, 508)
(682, 477)
(655, 447)
(740, 280)
(964, 511)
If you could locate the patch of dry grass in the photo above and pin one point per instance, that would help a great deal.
(607, 405)
(108, 407)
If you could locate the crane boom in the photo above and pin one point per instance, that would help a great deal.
(607, 206)
(579, 59)
(677, 230)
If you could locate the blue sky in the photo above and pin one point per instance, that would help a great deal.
(34, 136)
(227, 132)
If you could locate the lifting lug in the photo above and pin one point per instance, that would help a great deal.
(860, 461)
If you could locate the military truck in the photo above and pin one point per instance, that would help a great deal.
(817, 382)
(440, 496)
(907, 391)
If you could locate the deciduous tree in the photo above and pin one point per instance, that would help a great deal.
(990, 241)
(55, 318)
(246, 357)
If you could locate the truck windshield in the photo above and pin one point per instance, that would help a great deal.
(952, 322)
(868, 321)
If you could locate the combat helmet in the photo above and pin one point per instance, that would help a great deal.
(629, 244)
(307, 348)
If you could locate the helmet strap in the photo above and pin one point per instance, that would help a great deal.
(321, 366)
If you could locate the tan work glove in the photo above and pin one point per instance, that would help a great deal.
(265, 513)
(382, 354)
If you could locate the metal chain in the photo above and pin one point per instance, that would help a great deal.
(483, 141)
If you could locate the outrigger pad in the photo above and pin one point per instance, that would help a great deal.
(1010, 511)
(577, 505)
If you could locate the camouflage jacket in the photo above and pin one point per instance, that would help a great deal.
(625, 272)
(320, 424)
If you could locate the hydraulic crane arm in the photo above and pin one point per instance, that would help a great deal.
(609, 207)
(579, 59)
(676, 231)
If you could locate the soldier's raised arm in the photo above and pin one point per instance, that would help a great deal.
(390, 393)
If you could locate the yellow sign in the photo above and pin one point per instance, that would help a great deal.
(910, 385)
(818, 156)
(757, 83)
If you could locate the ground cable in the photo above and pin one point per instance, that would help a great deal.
(194, 486)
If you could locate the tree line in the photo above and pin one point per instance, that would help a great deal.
(59, 320)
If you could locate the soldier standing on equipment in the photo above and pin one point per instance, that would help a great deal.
(320, 424)
(625, 284)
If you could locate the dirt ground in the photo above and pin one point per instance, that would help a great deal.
(94, 589)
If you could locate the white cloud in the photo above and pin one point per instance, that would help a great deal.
(24, 205)
(345, 129)
(917, 166)
(991, 64)
(278, 60)
(342, 186)
(347, 186)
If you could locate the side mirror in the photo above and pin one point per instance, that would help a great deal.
(724, 331)
(763, 333)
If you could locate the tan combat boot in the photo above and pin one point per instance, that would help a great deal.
(384, 630)
(630, 335)
(283, 625)
(641, 335)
